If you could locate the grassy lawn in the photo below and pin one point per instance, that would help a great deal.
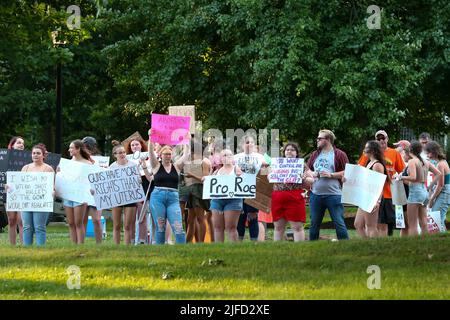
(416, 268)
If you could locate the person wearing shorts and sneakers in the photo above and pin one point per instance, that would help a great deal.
(394, 164)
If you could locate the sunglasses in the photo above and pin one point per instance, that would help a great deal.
(166, 154)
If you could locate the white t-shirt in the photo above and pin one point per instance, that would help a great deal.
(249, 163)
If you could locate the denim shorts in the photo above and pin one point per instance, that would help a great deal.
(222, 205)
(71, 204)
(417, 194)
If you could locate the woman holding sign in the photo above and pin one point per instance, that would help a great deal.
(366, 222)
(36, 222)
(418, 196)
(134, 150)
(14, 219)
(74, 210)
(288, 203)
(164, 202)
(226, 212)
(129, 209)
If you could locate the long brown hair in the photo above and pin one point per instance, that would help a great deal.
(83, 151)
(13, 141)
(375, 149)
(436, 150)
(144, 147)
(41, 147)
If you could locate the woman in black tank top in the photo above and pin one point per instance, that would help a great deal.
(366, 222)
(164, 201)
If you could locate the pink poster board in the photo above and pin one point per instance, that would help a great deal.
(170, 130)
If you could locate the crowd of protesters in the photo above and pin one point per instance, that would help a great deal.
(172, 178)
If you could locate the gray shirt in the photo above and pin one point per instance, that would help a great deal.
(326, 186)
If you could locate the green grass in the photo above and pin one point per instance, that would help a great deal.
(414, 268)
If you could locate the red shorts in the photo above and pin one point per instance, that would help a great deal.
(289, 205)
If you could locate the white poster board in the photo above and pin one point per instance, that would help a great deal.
(229, 186)
(72, 181)
(362, 187)
(101, 161)
(399, 217)
(398, 193)
(30, 191)
(116, 187)
(286, 170)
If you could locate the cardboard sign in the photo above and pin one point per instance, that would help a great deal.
(101, 161)
(72, 181)
(30, 191)
(362, 187)
(399, 217)
(229, 186)
(117, 187)
(170, 130)
(263, 199)
(3, 169)
(398, 193)
(286, 170)
(185, 111)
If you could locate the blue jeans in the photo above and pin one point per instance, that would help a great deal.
(34, 222)
(253, 226)
(165, 205)
(318, 204)
(442, 203)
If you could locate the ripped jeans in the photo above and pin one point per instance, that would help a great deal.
(165, 205)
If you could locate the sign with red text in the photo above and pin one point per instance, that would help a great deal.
(171, 130)
(286, 170)
(362, 187)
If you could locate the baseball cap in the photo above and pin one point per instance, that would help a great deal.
(90, 141)
(402, 143)
(381, 132)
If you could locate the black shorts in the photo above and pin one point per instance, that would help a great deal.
(130, 205)
(194, 197)
(386, 214)
(248, 209)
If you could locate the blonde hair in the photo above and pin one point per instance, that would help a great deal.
(329, 134)
(166, 147)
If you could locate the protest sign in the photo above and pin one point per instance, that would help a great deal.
(229, 186)
(17, 159)
(3, 169)
(263, 199)
(286, 170)
(72, 181)
(398, 193)
(136, 157)
(186, 111)
(101, 161)
(171, 130)
(434, 221)
(30, 191)
(399, 217)
(362, 187)
(116, 187)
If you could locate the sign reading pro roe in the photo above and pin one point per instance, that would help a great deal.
(229, 186)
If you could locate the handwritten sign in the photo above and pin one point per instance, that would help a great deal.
(101, 161)
(3, 169)
(30, 191)
(72, 181)
(399, 217)
(186, 111)
(117, 187)
(170, 130)
(229, 186)
(362, 187)
(286, 170)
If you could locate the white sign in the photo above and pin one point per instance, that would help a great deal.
(72, 181)
(117, 187)
(101, 161)
(399, 217)
(433, 221)
(362, 187)
(136, 157)
(229, 186)
(398, 193)
(286, 170)
(30, 191)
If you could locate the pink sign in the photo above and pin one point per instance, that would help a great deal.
(170, 130)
